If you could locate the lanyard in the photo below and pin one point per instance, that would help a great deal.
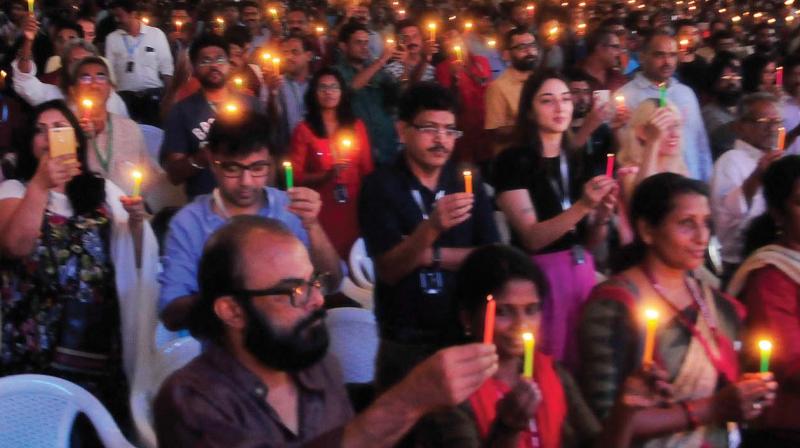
(562, 189)
(105, 161)
(132, 49)
(418, 199)
(4, 116)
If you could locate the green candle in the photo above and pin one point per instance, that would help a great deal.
(662, 95)
(287, 166)
(765, 347)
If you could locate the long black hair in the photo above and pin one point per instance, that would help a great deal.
(779, 181)
(344, 111)
(526, 129)
(652, 201)
(86, 191)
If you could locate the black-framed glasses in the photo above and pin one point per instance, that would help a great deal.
(299, 291)
(236, 169)
(433, 131)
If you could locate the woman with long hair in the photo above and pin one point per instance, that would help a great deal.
(697, 326)
(769, 284)
(75, 251)
(553, 210)
(330, 153)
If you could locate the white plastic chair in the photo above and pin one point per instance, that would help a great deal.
(363, 296)
(354, 342)
(361, 267)
(172, 357)
(38, 411)
(161, 193)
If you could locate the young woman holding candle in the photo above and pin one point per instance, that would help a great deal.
(696, 325)
(552, 209)
(769, 284)
(330, 153)
(75, 251)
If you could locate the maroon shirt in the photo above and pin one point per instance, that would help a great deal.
(214, 401)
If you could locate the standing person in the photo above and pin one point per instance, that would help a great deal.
(75, 248)
(758, 74)
(292, 86)
(323, 161)
(552, 209)
(696, 331)
(502, 94)
(251, 14)
(419, 224)
(478, 41)
(725, 89)
(692, 69)
(659, 58)
(602, 62)
(416, 53)
(188, 122)
(373, 90)
(790, 108)
(142, 62)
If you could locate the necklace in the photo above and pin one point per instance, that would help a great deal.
(105, 161)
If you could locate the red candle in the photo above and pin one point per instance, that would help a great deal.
(488, 325)
(610, 165)
(779, 76)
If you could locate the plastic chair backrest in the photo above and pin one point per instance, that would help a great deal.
(361, 267)
(354, 342)
(38, 411)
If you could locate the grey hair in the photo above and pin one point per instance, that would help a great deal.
(746, 104)
(77, 43)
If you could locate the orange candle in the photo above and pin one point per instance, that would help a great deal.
(432, 30)
(87, 105)
(467, 181)
(488, 323)
(651, 322)
(178, 25)
(276, 65)
(781, 138)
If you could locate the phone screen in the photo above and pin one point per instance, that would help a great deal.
(62, 141)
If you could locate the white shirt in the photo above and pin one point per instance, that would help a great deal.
(149, 52)
(729, 205)
(790, 109)
(35, 92)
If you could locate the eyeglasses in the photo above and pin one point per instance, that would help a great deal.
(329, 87)
(99, 78)
(235, 169)
(220, 60)
(523, 47)
(766, 121)
(299, 291)
(731, 78)
(433, 131)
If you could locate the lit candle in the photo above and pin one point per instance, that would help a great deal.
(779, 76)
(684, 45)
(467, 181)
(221, 23)
(320, 31)
(389, 42)
(266, 58)
(178, 25)
(231, 108)
(346, 143)
(274, 13)
(401, 13)
(765, 347)
(432, 29)
(30, 5)
(287, 168)
(491, 43)
(530, 9)
(651, 322)
(620, 99)
(529, 342)
(488, 323)
(781, 143)
(581, 28)
(610, 165)
(276, 66)
(137, 183)
(86, 105)
(662, 94)
(468, 26)
(238, 82)
(146, 20)
(459, 54)
(553, 33)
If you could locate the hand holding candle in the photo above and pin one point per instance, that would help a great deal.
(137, 183)
(529, 343)
(467, 181)
(287, 168)
(765, 348)
(458, 53)
(651, 322)
(86, 105)
(662, 94)
(488, 323)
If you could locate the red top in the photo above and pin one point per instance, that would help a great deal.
(471, 87)
(773, 312)
(312, 154)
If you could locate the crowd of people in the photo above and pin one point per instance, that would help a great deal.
(581, 216)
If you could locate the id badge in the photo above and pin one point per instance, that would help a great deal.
(129, 67)
(431, 282)
(340, 194)
(578, 255)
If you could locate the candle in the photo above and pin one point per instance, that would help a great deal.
(779, 76)
(178, 25)
(553, 33)
(137, 183)
(610, 165)
(662, 94)
(221, 23)
(468, 26)
(231, 108)
(488, 323)
(529, 342)
(30, 5)
(651, 321)
(389, 42)
(459, 54)
(530, 9)
(467, 181)
(401, 13)
(491, 43)
(86, 105)
(238, 82)
(287, 168)
(765, 347)
(274, 13)
(620, 101)
(320, 31)
(346, 143)
(581, 28)
(146, 20)
(781, 143)
(432, 29)
(276, 66)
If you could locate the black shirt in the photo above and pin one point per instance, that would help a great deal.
(519, 169)
(387, 213)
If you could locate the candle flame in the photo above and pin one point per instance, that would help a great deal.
(136, 174)
(87, 103)
(620, 98)
(528, 336)
(237, 81)
(764, 345)
(651, 314)
(553, 30)
(146, 20)
(431, 26)
(231, 108)
(490, 297)
(220, 20)
(287, 164)
(266, 56)
(320, 29)
(468, 173)
(491, 43)
(529, 7)
(468, 25)
(346, 142)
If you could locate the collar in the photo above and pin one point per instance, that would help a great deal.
(749, 149)
(445, 176)
(642, 82)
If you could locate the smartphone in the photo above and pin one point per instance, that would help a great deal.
(62, 141)
(601, 96)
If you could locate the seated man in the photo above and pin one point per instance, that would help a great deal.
(264, 378)
(241, 162)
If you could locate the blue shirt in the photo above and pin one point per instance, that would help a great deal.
(696, 149)
(476, 45)
(293, 96)
(190, 228)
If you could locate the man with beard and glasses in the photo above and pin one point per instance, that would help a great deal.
(502, 95)
(602, 63)
(736, 188)
(719, 114)
(593, 138)
(265, 378)
(419, 224)
(242, 162)
(189, 120)
(659, 60)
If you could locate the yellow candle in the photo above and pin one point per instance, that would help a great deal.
(765, 347)
(276, 65)
(781, 143)
(467, 181)
(651, 322)
(137, 183)
(30, 5)
(459, 54)
(432, 29)
(529, 342)
(87, 105)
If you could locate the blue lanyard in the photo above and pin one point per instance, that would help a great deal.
(128, 48)
(4, 114)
